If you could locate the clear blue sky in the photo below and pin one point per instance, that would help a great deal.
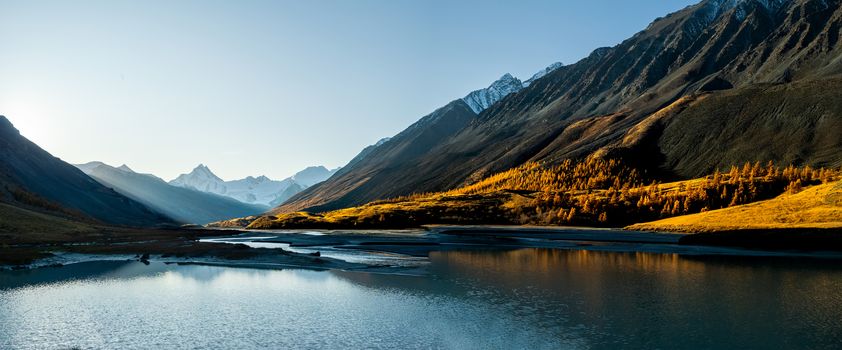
(269, 87)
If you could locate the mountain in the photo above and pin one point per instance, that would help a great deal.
(718, 83)
(31, 178)
(312, 175)
(260, 190)
(480, 100)
(359, 181)
(364, 153)
(540, 74)
(182, 204)
(201, 179)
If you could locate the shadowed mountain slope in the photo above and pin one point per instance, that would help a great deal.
(183, 204)
(31, 177)
(388, 162)
(768, 53)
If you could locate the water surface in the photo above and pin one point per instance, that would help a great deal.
(527, 298)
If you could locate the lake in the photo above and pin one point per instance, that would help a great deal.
(525, 298)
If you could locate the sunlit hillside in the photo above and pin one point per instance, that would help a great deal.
(815, 207)
(594, 192)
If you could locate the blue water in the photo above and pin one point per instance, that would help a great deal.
(526, 299)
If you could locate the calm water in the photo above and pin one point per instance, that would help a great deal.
(531, 298)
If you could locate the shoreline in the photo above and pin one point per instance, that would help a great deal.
(319, 249)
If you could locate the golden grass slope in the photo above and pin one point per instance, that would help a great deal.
(593, 192)
(16, 220)
(815, 207)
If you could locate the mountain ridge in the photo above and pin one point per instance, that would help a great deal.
(183, 204)
(259, 190)
(577, 110)
(33, 178)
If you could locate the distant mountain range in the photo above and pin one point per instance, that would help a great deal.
(182, 204)
(33, 179)
(715, 84)
(253, 190)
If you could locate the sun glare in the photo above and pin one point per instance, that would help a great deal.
(29, 120)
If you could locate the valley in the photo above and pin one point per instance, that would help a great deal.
(421, 174)
(720, 117)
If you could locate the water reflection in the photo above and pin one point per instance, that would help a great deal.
(528, 298)
(648, 300)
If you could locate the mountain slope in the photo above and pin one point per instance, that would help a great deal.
(387, 163)
(32, 177)
(481, 99)
(719, 48)
(182, 204)
(815, 207)
(795, 123)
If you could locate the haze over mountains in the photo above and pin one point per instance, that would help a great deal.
(718, 83)
(252, 190)
(32, 179)
(35, 184)
(182, 204)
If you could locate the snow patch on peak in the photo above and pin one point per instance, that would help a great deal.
(254, 190)
(202, 179)
(541, 73)
(480, 100)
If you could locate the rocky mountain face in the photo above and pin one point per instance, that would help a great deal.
(480, 100)
(260, 190)
(185, 205)
(32, 178)
(714, 84)
(365, 178)
(357, 181)
(540, 74)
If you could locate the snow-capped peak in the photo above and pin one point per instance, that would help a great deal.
(256, 190)
(201, 178)
(481, 99)
(541, 73)
(202, 171)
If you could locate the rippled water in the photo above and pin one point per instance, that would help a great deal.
(529, 298)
